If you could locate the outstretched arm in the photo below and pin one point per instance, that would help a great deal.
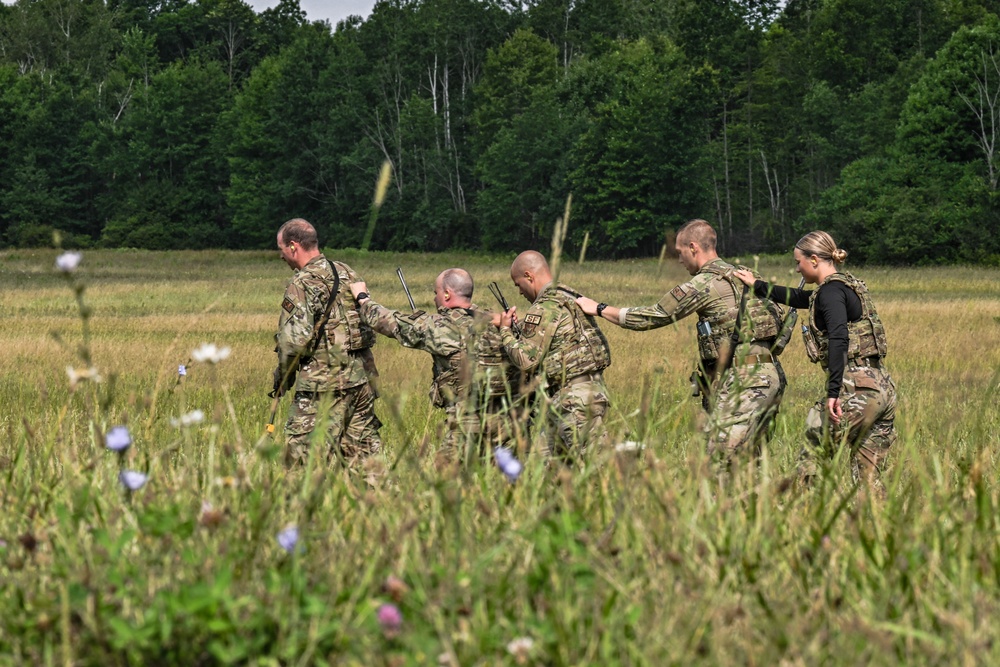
(789, 296)
(610, 313)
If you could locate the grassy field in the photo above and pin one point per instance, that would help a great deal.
(635, 560)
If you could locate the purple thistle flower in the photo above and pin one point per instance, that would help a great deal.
(289, 539)
(509, 466)
(118, 439)
(390, 619)
(131, 480)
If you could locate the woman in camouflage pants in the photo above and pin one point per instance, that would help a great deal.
(846, 337)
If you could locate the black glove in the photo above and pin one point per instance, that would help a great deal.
(282, 383)
(276, 390)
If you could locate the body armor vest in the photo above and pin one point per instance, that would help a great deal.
(345, 332)
(586, 352)
(762, 320)
(865, 337)
(452, 380)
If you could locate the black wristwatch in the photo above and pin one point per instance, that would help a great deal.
(600, 309)
(360, 297)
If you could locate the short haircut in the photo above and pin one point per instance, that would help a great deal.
(299, 231)
(700, 232)
(529, 260)
(458, 281)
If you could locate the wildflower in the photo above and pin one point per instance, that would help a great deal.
(118, 439)
(210, 517)
(390, 619)
(509, 466)
(131, 480)
(181, 371)
(68, 261)
(395, 588)
(629, 446)
(189, 419)
(210, 353)
(289, 538)
(76, 377)
(520, 648)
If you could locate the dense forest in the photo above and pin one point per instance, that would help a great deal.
(197, 124)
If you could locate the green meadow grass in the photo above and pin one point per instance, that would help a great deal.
(633, 560)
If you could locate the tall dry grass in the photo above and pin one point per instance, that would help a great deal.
(632, 560)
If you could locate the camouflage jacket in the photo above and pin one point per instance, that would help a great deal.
(557, 338)
(336, 361)
(468, 360)
(714, 294)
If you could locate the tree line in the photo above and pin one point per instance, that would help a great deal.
(202, 123)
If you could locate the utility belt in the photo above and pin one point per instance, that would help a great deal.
(754, 359)
(316, 396)
(871, 362)
(555, 388)
(703, 376)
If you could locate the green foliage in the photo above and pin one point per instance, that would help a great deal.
(933, 196)
(635, 174)
(742, 112)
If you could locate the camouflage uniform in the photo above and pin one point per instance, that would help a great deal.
(563, 346)
(470, 374)
(743, 404)
(867, 394)
(335, 377)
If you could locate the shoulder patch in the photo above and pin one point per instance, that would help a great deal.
(678, 292)
(288, 305)
(533, 320)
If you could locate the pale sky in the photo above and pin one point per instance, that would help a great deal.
(317, 10)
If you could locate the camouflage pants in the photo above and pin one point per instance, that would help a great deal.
(868, 401)
(350, 421)
(743, 410)
(473, 431)
(575, 418)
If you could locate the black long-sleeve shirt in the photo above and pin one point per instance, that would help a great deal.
(836, 305)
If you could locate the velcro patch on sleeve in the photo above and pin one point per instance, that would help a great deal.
(288, 305)
(678, 292)
(533, 320)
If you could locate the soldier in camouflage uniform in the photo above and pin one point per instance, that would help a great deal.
(324, 353)
(846, 337)
(567, 353)
(741, 400)
(470, 373)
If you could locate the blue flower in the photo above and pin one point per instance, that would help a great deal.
(289, 538)
(118, 439)
(181, 371)
(131, 480)
(509, 466)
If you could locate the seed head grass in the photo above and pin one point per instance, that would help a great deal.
(642, 556)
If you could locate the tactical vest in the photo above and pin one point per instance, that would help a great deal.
(494, 376)
(344, 330)
(762, 320)
(586, 352)
(451, 381)
(865, 337)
